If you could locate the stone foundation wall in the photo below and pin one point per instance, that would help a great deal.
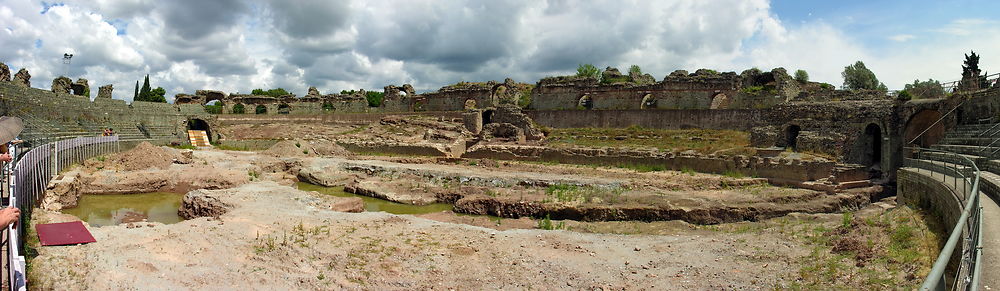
(928, 193)
(342, 118)
(736, 119)
(780, 171)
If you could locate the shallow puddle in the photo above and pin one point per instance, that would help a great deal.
(374, 204)
(100, 210)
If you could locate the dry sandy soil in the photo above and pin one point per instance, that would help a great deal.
(263, 234)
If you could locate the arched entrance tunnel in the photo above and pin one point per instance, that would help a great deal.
(872, 146)
(923, 128)
(198, 124)
(792, 137)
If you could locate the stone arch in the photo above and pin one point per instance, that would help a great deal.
(791, 139)
(239, 108)
(498, 93)
(200, 124)
(284, 108)
(585, 102)
(260, 109)
(926, 122)
(328, 106)
(871, 146)
(720, 101)
(648, 102)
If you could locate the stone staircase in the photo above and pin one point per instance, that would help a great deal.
(981, 144)
(199, 138)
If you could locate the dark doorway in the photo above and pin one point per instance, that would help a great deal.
(873, 154)
(284, 109)
(585, 102)
(487, 116)
(923, 129)
(261, 109)
(792, 137)
(198, 124)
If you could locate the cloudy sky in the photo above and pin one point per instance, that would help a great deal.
(235, 46)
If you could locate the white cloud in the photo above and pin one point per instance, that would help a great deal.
(902, 37)
(236, 46)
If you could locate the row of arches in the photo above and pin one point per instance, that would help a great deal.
(719, 101)
(240, 108)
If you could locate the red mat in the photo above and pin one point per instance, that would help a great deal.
(66, 233)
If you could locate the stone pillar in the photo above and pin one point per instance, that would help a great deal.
(62, 85)
(105, 91)
(22, 78)
(473, 120)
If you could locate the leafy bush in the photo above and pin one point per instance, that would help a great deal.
(277, 92)
(827, 86)
(588, 70)
(239, 109)
(214, 109)
(802, 76)
(261, 109)
(374, 98)
(904, 95)
(634, 69)
(623, 79)
(925, 89)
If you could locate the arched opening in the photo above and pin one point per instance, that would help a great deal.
(487, 116)
(585, 102)
(202, 125)
(873, 145)
(214, 107)
(924, 122)
(792, 137)
(327, 106)
(470, 104)
(719, 101)
(648, 102)
(238, 109)
(284, 108)
(261, 109)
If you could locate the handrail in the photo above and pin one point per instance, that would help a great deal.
(28, 176)
(936, 122)
(935, 279)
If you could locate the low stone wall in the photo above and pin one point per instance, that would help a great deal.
(926, 192)
(343, 118)
(735, 119)
(417, 149)
(780, 171)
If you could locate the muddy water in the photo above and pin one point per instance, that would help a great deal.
(100, 210)
(375, 204)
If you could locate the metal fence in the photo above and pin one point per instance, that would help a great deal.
(27, 178)
(962, 175)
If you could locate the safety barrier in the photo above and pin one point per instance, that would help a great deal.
(26, 179)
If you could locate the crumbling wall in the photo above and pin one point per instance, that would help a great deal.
(736, 119)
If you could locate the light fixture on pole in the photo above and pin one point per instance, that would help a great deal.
(67, 57)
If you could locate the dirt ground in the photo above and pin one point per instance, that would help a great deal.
(257, 232)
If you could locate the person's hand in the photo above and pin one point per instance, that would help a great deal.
(9, 216)
(5, 158)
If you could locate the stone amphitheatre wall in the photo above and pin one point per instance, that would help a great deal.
(735, 119)
(48, 115)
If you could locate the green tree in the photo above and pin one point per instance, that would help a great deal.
(374, 98)
(859, 77)
(276, 92)
(238, 109)
(144, 92)
(925, 89)
(634, 69)
(157, 95)
(801, 76)
(588, 70)
(136, 95)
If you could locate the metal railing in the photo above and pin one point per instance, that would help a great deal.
(962, 174)
(28, 176)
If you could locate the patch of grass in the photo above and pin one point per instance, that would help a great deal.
(584, 194)
(253, 175)
(101, 158)
(642, 167)
(734, 174)
(700, 140)
(298, 145)
(687, 170)
(546, 223)
(184, 147)
(356, 130)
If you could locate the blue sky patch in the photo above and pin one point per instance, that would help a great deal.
(46, 6)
